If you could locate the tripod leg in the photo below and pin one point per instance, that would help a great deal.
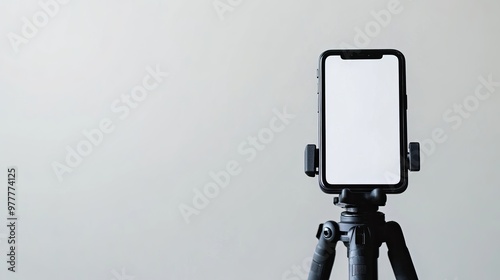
(399, 255)
(324, 254)
(362, 253)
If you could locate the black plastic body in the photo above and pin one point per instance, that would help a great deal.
(364, 54)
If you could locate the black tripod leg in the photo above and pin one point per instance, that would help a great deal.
(362, 253)
(324, 254)
(399, 255)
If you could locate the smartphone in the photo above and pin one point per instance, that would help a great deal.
(362, 121)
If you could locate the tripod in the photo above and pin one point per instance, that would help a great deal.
(362, 229)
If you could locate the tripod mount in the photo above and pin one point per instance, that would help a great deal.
(362, 229)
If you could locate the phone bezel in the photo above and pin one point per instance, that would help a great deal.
(364, 54)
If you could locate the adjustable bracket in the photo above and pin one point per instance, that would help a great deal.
(413, 160)
(311, 158)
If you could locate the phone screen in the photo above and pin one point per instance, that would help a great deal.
(362, 121)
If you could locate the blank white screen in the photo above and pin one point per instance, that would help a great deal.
(362, 121)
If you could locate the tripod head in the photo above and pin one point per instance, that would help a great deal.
(356, 202)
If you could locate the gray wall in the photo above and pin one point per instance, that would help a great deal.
(238, 70)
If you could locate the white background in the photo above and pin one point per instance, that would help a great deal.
(116, 215)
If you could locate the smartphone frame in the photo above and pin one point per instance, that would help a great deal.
(364, 54)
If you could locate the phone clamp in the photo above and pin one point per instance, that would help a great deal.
(311, 158)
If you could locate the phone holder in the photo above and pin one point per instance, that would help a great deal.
(311, 158)
(362, 229)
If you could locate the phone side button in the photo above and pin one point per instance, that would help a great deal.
(318, 102)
